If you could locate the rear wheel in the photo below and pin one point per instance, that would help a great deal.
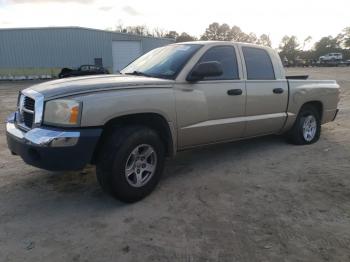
(130, 163)
(307, 127)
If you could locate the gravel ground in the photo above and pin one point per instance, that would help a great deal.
(256, 200)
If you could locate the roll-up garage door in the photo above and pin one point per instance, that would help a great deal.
(124, 52)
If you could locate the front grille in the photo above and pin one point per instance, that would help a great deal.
(26, 112)
(28, 119)
(29, 103)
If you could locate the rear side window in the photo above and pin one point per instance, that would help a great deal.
(226, 56)
(258, 64)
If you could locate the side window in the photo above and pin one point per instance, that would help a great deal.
(226, 56)
(258, 64)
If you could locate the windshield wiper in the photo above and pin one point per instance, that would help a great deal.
(138, 73)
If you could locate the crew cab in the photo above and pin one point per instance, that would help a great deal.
(173, 98)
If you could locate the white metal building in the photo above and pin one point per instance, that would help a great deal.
(42, 52)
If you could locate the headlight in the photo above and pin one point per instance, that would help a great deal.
(62, 112)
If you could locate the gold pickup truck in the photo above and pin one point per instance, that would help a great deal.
(173, 98)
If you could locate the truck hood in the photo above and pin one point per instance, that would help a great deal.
(88, 84)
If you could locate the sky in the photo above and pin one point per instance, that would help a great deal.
(303, 18)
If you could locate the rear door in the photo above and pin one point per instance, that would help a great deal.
(266, 97)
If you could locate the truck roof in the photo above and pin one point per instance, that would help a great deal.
(216, 42)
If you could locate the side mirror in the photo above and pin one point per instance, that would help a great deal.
(205, 69)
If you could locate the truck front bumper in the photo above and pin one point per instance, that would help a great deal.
(53, 148)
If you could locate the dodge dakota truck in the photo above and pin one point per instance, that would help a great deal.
(173, 98)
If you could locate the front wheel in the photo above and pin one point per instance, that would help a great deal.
(130, 163)
(307, 127)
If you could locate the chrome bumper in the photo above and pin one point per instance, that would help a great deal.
(44, 137)
(53, 148)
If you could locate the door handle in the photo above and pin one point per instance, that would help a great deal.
(234, 92)
(278, 90)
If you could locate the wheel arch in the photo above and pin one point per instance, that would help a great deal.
(318, 105)
(155, 121)
(292, 115)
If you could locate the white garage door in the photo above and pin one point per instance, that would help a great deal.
(124, 52)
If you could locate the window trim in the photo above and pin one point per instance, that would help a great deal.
(236, 54)
(269, 58)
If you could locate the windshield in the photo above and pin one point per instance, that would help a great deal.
(164, 62)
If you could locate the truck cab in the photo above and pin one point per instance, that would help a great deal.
(231, 105)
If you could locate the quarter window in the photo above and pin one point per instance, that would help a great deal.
(226, 56)
(258, 64)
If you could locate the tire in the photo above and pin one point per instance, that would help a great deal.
(299, 135)
(121, 153)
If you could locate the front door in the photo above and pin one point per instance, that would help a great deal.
(212, 110)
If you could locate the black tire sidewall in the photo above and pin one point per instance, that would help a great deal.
(120, 188)
(305, 112)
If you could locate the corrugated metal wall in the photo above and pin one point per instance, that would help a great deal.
(56, 47)
(147, 43)
(151, 43)
(46, 50)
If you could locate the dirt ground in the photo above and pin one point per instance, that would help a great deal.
(257, 200)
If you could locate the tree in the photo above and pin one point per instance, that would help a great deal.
(326, 45)
(346, 37)
(306, 41)
(172, 34)
(327, 42)
(252, 38)
(159, 32)
(120, 27)
(237, 34)
(289, 48)
(223, 32)
(137, 30)
(215, 31)
(184, 37)
(264, 40)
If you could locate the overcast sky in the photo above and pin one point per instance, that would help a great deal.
(276, 18)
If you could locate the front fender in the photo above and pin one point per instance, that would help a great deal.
(101, 107)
